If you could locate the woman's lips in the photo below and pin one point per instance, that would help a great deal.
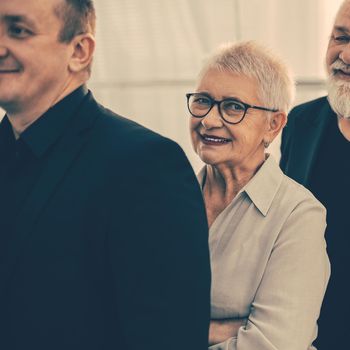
(214, 140)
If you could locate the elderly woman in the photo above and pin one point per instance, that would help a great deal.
(269, 263)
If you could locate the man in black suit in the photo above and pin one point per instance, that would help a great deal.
(316, 153)
(103, 235)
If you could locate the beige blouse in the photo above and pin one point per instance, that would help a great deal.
(269, 263)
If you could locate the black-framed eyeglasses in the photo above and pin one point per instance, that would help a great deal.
(231, 110)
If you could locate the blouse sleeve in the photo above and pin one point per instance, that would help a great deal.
(287, 304)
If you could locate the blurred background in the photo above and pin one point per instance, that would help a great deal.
(149, 52)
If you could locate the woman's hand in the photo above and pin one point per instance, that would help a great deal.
(223, 329)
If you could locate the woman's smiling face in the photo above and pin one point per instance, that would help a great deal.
(218, 142)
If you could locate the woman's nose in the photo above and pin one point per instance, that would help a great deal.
(212, 119)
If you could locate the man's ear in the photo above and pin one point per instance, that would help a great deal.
(276, 123)
(83, 51)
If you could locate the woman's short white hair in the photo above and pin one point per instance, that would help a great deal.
(276, 87)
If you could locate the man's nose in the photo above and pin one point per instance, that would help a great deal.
(3, 44)
(345, 54)
(3, 51)
(3, 48)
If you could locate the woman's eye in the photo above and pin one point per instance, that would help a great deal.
(233, 106)
(202, 101)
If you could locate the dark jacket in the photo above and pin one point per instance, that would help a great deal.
(110, 251)
(302, 136)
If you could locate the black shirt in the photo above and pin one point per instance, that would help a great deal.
(23, 160)
(330, 184)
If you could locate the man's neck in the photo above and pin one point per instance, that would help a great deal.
(22, 118)
(344, 127)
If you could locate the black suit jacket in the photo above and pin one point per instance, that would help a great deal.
(301, 141)
(302, 137)
(110, 251)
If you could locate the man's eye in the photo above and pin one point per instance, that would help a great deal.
(341, 39)
(19, 32)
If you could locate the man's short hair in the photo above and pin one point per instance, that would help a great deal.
(275, 84)
(77, 16)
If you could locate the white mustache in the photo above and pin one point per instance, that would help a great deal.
(340, 65)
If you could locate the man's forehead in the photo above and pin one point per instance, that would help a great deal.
(343, 16)
(33, 12)
(27, 8)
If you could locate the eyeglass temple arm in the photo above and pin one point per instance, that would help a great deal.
(262, 108)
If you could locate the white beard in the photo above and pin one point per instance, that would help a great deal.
(339, 96)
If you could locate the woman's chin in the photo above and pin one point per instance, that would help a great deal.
(209, 160)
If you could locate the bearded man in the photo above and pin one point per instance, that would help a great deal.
(316, 153)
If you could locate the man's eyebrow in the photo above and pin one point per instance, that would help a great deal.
(18, 18)
(342, 29)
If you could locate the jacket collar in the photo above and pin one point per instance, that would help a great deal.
(65, 152)
(308, 137)
(46, 130)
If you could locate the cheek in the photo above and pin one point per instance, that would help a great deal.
(193, 125)
(248, 138)
(331, 56)
(243, 133)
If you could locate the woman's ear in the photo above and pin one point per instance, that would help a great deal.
(83, 50)
(276, 123)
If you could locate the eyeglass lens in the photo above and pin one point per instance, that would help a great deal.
(231, 110)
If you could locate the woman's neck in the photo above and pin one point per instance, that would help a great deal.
(228, 180)
(221, 185)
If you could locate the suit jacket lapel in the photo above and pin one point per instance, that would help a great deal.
(64, 154)
(310, 133)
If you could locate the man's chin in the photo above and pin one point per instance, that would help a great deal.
(339, 96)
(7, 103)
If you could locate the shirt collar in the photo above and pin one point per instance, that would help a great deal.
(7, 137)
(262, 187)
(44, 132)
